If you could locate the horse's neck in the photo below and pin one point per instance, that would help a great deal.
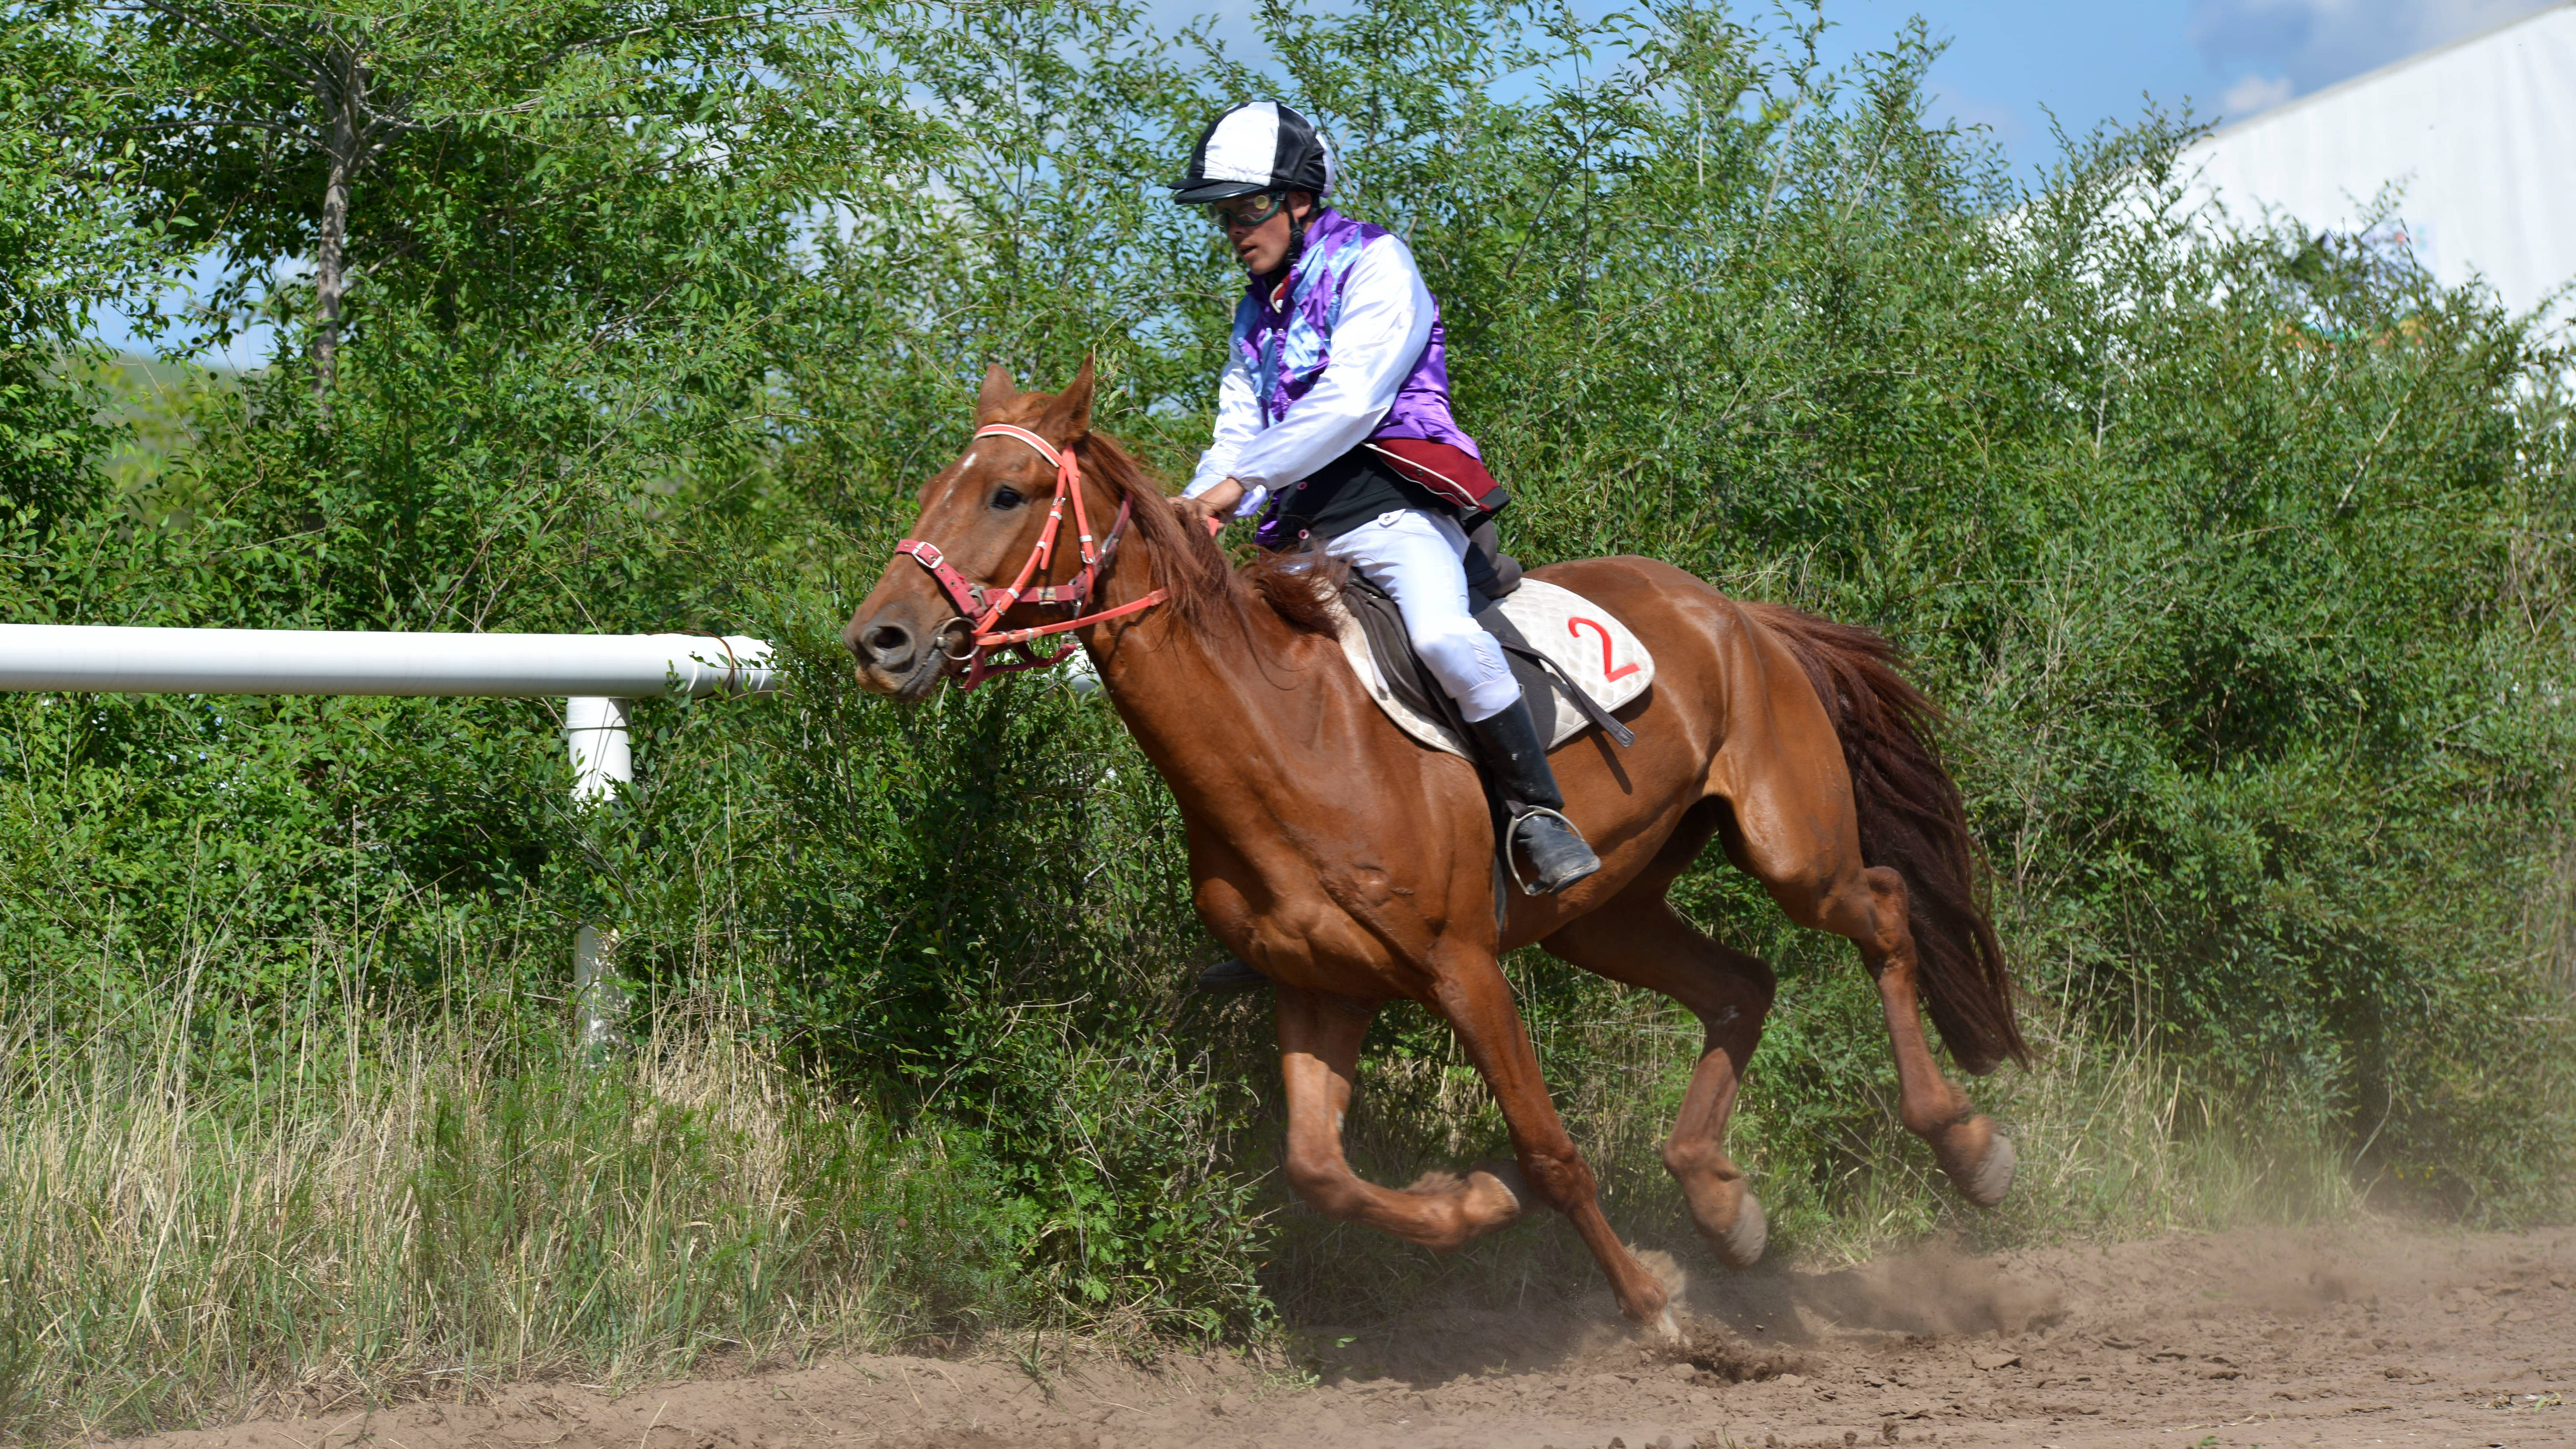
(1209, 704)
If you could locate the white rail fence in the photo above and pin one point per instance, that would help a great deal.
(596, 676)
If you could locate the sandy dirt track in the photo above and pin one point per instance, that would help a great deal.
(2352, 1338)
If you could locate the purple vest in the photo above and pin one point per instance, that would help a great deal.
(1288, 348)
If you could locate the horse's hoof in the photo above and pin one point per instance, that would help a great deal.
(1665, 1327)
(1507, 1176)
(1741, 1245)
(1491, 1200)
(1993, 1177)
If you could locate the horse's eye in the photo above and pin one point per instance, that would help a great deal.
(1007, 498)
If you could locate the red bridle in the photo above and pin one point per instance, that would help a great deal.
(982, 606)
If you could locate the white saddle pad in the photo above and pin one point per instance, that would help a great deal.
(1585, 640)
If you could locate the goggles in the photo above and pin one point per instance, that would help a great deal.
(1246, 211)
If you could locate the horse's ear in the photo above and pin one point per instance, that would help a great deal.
(1068, 418)
(997, 393)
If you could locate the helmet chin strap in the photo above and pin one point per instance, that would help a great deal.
(1296, 239)
(1297, 234)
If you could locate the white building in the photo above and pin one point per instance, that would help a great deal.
(2477, 139)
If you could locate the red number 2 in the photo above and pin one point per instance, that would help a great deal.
(1574, 627)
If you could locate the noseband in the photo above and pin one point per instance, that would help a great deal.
(983, 606)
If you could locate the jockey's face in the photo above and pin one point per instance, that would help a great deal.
(1263, 249)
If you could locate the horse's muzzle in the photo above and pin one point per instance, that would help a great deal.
(895, 657)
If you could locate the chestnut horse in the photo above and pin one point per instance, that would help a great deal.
(1351, 865)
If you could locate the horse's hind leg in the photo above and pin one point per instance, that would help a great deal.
(1782, 771)
(1638, 938)
(1869, 906)
(1319, 1049)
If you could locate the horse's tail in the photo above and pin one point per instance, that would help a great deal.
(1911, 819)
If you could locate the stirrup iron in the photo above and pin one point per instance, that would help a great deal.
(1512, 852)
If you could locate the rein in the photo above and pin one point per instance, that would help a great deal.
(981, 606)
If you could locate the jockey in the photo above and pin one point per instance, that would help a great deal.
(1333, 411)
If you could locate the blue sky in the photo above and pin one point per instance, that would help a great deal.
(2011, 63)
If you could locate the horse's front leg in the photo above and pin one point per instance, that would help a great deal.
(1477, 999)
(1319, 1048)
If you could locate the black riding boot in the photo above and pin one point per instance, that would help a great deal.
(1555, 850)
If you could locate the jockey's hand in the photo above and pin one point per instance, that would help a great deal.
(1216, 504)
(1196, 512)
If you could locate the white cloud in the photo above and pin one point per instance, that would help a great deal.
(2254, 94)
(2311, 43)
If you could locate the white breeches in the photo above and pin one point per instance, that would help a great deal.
(1419, 559)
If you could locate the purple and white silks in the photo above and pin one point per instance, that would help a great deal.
(1350, 350)
(1287, 348)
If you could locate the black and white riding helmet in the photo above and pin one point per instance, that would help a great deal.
(1257, 146)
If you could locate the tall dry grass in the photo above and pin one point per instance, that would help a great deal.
(205, 1221)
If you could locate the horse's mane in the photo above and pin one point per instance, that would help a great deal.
(1206, 588)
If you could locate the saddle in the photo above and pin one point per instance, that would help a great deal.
(1576, 662)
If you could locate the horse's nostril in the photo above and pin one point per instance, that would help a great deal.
(890, 643)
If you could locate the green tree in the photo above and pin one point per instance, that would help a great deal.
(68, 247)
(574, 228)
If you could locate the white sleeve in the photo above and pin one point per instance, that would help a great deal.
(1238, 422)
(1385, 324)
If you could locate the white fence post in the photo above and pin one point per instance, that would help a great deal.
(603, 758)
(603, 754)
